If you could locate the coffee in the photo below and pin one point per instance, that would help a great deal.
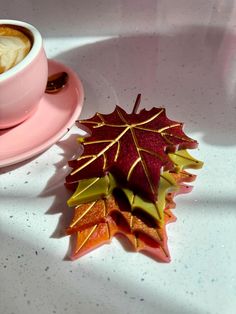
(14, 46)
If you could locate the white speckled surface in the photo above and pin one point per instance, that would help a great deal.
(180, 54)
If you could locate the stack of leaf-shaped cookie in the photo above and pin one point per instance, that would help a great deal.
(125, 181)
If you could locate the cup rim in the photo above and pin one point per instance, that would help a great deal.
(37, 38)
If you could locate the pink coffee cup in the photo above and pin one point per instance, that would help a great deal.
(22, 86)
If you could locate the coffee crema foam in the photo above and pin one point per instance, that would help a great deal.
(14, 47)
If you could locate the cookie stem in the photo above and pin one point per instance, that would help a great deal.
(137, 103)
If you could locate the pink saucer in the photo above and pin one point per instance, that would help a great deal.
(55, 114)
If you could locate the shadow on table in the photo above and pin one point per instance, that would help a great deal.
(18, 165)
(55, 186)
